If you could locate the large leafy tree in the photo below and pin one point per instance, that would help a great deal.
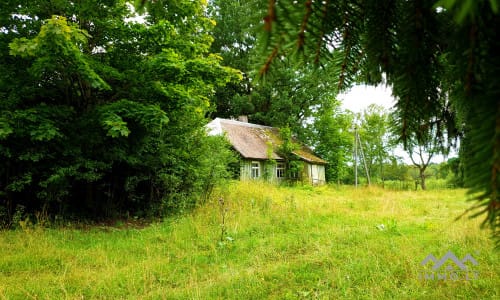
(428, 51)
(100, 114)
(330, 133)
(235, 36)
(289, 95)
(375, 139)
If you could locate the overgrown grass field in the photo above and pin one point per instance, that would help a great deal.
(262, 242)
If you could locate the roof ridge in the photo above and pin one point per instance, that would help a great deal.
(236, 122)
(252, 140)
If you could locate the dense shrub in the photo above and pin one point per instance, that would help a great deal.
(100, 116)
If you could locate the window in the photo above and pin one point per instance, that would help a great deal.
(280, 170)
(255, 169)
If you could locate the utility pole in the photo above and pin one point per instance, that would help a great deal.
(357, 141)
(355, 156)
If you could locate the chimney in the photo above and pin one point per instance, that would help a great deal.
(243, 118)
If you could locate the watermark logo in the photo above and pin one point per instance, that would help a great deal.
(449, 267)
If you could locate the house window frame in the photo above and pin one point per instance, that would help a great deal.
(280, 170)
(255, 169)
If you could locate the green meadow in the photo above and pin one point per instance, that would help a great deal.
(258, 241)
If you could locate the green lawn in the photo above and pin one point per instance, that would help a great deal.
(280, 243)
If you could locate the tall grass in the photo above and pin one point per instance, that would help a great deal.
(277, 243)
(431, 184)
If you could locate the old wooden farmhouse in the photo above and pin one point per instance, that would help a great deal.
(257, 146)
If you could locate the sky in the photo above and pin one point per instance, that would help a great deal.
(361, 96)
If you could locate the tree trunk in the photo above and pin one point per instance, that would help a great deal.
(422, 178)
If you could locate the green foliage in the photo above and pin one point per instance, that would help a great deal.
(455, 168)
(293, 164)
(374, 134)
(214, 171)
(331, 137)
(466, 8)
(235, 41)
(101, 115)
(151, 116)
(56, 50)
(422, 146)
(289, 94)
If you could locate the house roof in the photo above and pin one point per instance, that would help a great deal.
(254, 141)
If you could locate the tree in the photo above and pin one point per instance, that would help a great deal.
(424, 143)
(374, 135)
(235, 36)
(289, 95)
(428, 52)
(100, 115)
(396, 169)
(331, 137)
(421, 155)
(455, 167)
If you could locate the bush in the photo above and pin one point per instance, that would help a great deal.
(100, 133)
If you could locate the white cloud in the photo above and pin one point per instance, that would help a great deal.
(361, 96)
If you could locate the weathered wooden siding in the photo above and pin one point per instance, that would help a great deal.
(314, 174)
(311, 173)
(245, 169)
(267, 170)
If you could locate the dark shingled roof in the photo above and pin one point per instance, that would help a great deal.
(254, 141)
